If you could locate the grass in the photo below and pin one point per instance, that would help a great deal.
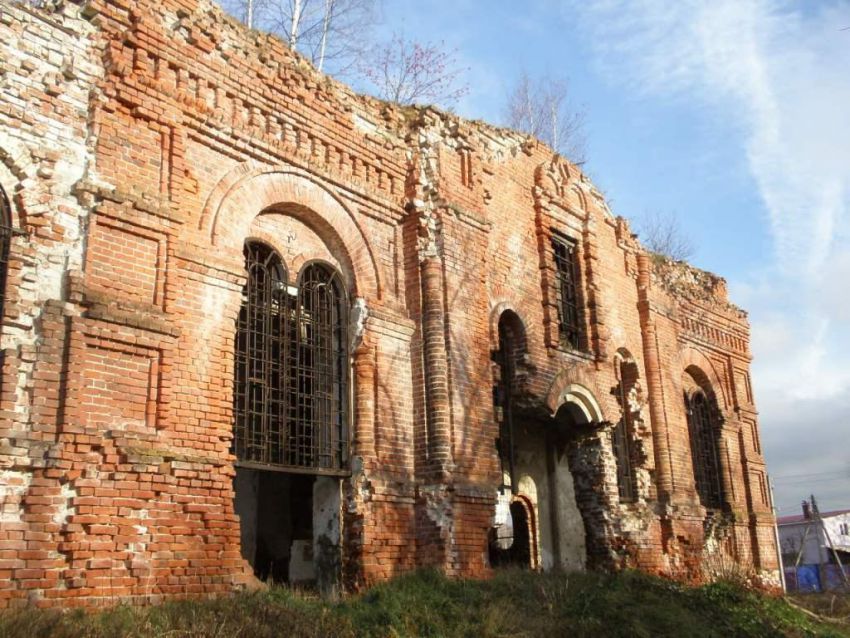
(513, 603)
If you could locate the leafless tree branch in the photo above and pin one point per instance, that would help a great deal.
(662, 233)
(541, 107)
(332, 34)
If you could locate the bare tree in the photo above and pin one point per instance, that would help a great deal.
(407, 72)
(333, 34)
(541, 107)
(662, 234)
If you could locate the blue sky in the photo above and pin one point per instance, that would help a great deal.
(735, 116)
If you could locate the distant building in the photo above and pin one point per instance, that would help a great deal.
(807, 556)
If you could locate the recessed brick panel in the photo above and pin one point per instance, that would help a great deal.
(126, 260)
(120, 386)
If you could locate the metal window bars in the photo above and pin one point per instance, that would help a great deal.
(291, 381)
(569, 312)
(704, 450)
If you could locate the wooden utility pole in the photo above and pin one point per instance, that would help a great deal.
(776, 537)
(819, 520)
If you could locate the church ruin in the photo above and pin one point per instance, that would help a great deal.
(258, 327)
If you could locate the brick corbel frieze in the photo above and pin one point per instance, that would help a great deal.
(196, 98)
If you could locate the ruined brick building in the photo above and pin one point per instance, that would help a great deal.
(255, 325)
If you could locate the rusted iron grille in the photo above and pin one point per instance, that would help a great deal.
(569, 318)
(6, 232)
(704, 449)
(291, 382)
(622, 436)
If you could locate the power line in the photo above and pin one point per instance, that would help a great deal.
(787, 476)
(812, 481)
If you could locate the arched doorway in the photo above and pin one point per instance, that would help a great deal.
(535, 451)
(514, 543)
(291, 412)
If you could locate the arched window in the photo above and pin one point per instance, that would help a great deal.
(511, 360)
(5, 239)
(291, 381)
(706, 459)
(626, 373)
(322, 364)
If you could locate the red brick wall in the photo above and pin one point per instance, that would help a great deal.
(188, 135)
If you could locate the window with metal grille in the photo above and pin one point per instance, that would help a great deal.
(6, 232)
(706, 458)
(291, 381)
(569, 310)
(622, 432)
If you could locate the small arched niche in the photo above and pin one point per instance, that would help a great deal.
(626, 374)
(5, 244)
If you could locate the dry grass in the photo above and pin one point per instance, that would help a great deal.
(514, 603)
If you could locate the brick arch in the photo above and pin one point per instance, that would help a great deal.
(574, 385)
(625, 355)
(696, 363)
(496, 314)
(252, 188)
(575, 191)
(557, 172)
(31, 193)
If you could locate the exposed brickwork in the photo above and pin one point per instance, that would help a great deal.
(143, 142)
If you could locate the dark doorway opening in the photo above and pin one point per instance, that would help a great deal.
(516, 550)
(276, 515)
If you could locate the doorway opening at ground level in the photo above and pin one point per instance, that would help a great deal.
(289, 525)
(513, 543)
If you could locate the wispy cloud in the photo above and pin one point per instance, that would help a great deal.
(780, 74)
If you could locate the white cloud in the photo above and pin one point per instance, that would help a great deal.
(779, 73)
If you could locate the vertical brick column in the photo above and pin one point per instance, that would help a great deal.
(598, 338)
(364, 400)
(727, 432)
(654, 383)
(436, 366)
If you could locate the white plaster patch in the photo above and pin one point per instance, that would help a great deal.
(13, 486)
(67, 492)
(359, 314)
(363, 125)
(214, 300)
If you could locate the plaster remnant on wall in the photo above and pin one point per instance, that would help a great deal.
(65, 509)
(359, 315)
(13, 487)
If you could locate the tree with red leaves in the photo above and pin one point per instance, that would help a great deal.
(407, 72)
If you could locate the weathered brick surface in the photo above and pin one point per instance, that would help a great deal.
(142, 143)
